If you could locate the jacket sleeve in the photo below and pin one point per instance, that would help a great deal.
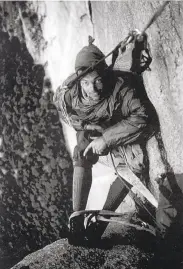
(133, 123)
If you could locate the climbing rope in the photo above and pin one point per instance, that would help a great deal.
(122, 45)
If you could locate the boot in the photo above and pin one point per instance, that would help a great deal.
(116, 195)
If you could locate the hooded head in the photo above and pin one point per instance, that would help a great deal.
(88, 56)
(92, 84)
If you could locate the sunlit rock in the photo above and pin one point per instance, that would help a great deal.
(36, 189)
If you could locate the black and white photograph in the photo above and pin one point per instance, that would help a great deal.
(91, 134)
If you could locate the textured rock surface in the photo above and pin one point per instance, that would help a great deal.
(35, 168)
(109, 22)
(118, 252)
(58, 30)
(164, 82)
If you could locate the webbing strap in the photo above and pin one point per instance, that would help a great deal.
(158, 225)
(145, 227)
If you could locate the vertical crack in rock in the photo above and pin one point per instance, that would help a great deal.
(165, 64)
(89, 3)
(90, 10)
(173, 23)
(35, 169)
(163, 56)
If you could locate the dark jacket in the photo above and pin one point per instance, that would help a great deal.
(123, 112)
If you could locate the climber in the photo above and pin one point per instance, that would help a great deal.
(108, 112)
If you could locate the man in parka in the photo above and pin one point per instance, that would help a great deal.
(108, 112)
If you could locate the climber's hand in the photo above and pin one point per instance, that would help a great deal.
(137, 35)
(97, 146)
(136, 32)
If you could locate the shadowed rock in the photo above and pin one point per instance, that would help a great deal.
(35, 168)
(122, 253)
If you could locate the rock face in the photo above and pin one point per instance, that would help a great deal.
(52, 39)
(164, 82)
(41, 38)
(119, 254)
(35, 168)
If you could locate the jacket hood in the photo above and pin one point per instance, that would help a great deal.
(88, 56)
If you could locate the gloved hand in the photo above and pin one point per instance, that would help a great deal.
(97, 146)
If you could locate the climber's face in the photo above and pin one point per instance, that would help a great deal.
(92, 86)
